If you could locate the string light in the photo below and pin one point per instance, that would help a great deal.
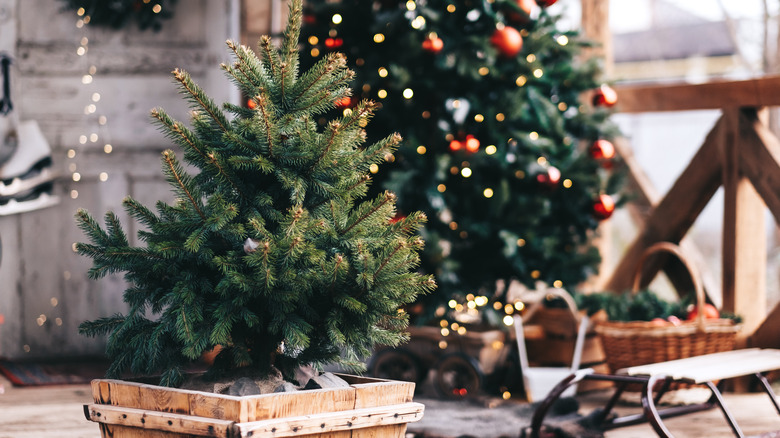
(531, 57)
(567, 183)
(508, 321)
(381, 94)
(336, 19)
(451, 8)
(521, 242)
(465, 172)
(441, 188)
(533, 135)
(488, 192)
(538, 73)
(408, 93)
(562, 40)
(521, 80)
(421, 150)
(500, 117)
(418, 22)
(378, 38)
(490, 150)
(483, 71)
(411, 5)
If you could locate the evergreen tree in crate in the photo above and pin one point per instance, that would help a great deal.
(500, 151)
(271, 251)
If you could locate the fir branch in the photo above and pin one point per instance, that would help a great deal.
(262, 104)
(292, 32)
(387, 259)
(388, 197)
(181, 132)
(327, 65)
(169, 158)
(200, 98)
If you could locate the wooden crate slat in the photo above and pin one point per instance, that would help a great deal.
(332, 421)
(159, 421)
(294, 404)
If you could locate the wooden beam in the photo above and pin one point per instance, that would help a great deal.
(765, 336)
(675, 214)
(715, 95)
(744, 240)
(646, 197)
(759, 159)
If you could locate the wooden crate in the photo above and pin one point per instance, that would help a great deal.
(369, 407)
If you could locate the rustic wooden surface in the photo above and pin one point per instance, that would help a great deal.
(58, 412)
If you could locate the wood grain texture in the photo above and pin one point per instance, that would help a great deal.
(332, 421)
(151, 421)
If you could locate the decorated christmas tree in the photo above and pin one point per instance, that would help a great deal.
(271, 252)
(506, 135)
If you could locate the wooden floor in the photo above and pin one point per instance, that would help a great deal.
(57, 412)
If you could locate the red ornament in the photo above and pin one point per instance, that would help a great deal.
(251, 104)
(433, 44)
(333, 43)
(507, 40)
(605, 96)
(346, 102)
(472, 144)
(603, 207)
(527, 6)
(398, 217)
(602, 150)
(549, 177)
(456, 145)
(545, 3)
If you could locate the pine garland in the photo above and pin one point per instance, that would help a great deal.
(270, 251)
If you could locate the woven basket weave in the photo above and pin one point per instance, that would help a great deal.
(632, 343)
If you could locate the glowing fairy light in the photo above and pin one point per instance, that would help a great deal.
(336, 19)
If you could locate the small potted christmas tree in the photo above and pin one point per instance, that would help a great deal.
(270, 254)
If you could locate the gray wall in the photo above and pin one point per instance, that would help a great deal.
(39, 272)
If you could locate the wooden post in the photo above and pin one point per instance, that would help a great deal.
(595, 27)
(744, 239)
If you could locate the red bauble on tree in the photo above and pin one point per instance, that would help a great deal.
(455, 145)
(549, 177)
(545, 3)
(471, 144)
(433, 44)
(602, 150)
(507, 40)
(527, 6)
(346, 102)
(603, 207)
(605, 96)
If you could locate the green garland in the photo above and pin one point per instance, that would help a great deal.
(148, 14)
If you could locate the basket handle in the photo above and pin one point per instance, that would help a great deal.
(694, 273)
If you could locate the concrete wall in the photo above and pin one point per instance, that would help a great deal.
(44, 292)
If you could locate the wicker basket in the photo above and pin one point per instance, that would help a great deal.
(634, 343)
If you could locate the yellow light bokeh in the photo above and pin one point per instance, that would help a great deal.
(488, 192)
(490, 150)
(336, 19)
(465, 172)
(379, 38)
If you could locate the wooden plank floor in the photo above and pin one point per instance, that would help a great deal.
(57, 412)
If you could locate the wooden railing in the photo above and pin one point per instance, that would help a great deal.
(741, 155)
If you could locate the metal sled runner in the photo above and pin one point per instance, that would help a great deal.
(656, 379)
